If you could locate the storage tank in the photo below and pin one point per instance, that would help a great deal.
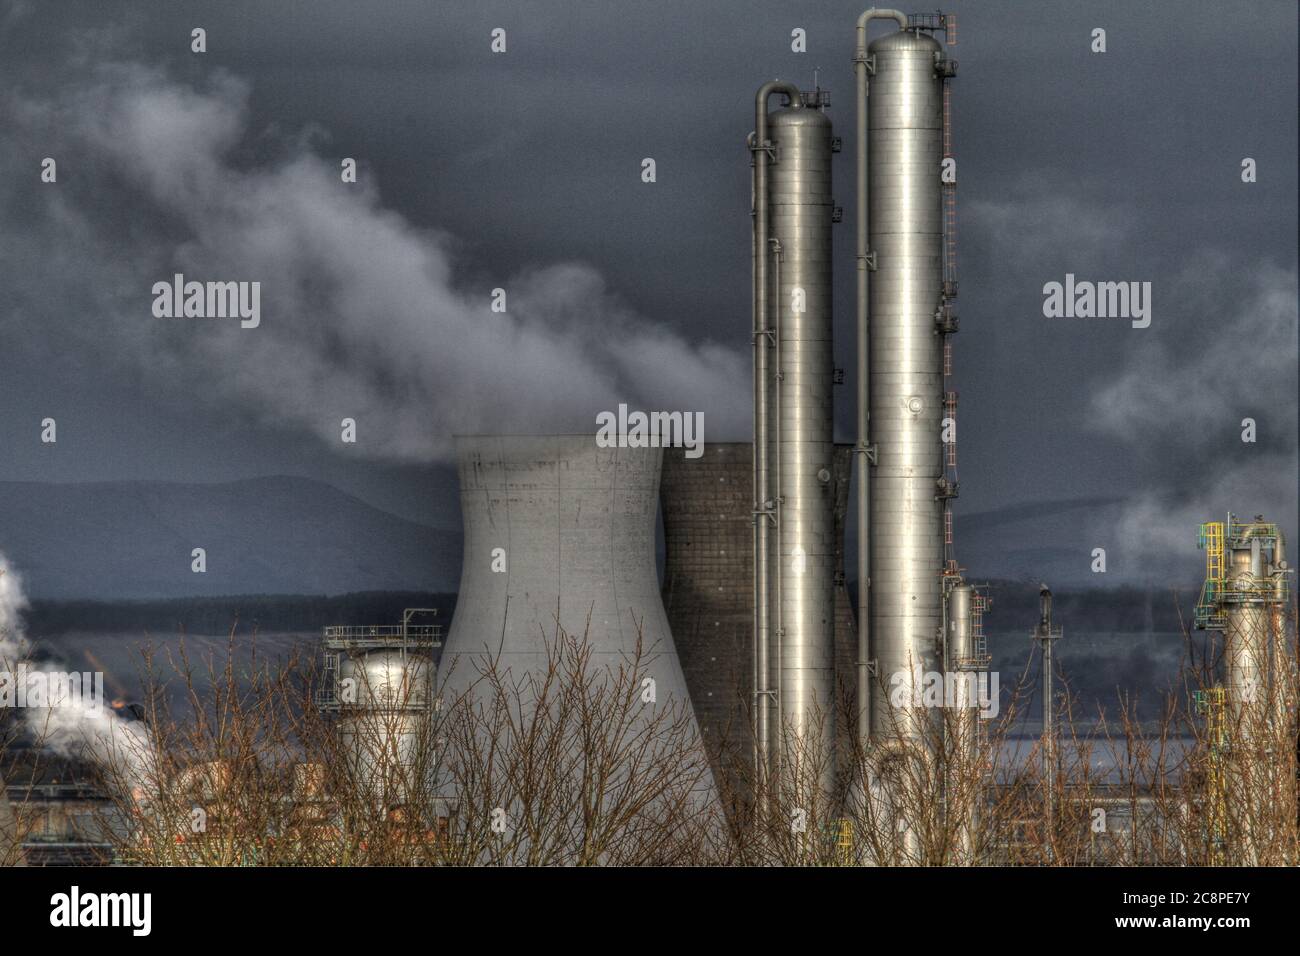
(385, 736)
(378, 680)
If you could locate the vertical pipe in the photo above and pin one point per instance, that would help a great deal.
(1245, 639)
(1049, 740)
(761, 667)
(1283, 685)
(863, 409)
(962, 786)
(758, 681)
(1046, 636)
(1283, 690)
(779, 616)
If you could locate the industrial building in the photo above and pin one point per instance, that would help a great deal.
(707, 508)
(806, 704)
(1250, 716)
(906, 451)
(378, 681)
(53, 812)
(560, 533)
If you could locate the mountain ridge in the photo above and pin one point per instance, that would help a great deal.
(133, 540)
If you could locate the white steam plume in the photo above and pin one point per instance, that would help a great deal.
(1179, 404)
(85, 728)
(361, 314)
(13, 642)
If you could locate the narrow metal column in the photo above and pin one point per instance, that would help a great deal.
(1245, 648)
(962, 786)
(801, 205)
(1046, 635)
(865, 451)
(906, 371)
(761, 152)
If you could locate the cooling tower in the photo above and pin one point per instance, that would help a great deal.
(559, 530)
(708, 593)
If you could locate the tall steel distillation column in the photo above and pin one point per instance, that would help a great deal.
(907, 307)
(865, 451)
(794, 377)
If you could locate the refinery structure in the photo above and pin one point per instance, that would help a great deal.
(915, 613)
(810, 705)
(1250, 715)
(805, 704)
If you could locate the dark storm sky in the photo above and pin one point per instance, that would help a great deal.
(522, 170)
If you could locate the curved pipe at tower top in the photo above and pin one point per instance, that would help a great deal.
(877, 13)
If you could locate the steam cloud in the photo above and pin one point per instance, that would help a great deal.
(362, 316)
(75, 729)
(1179, 405)
(13, 642)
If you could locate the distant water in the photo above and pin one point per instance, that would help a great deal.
(1098, 667)
(121, 656)
(1107, 758)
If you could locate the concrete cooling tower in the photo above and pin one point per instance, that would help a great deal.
(709, 595)
(572, 525)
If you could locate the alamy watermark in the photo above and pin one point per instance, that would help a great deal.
(953, 690)
(30, 687)
(1098, 300)
(624, 429)
(208, 300)
(130, 910)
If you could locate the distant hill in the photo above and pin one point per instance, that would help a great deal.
(245, 614)
(278, 535)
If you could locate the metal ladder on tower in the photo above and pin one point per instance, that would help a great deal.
(1209, 612)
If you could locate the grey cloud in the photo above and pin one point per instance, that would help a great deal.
(1179, 400)
(363, 314)
(1036, 220)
